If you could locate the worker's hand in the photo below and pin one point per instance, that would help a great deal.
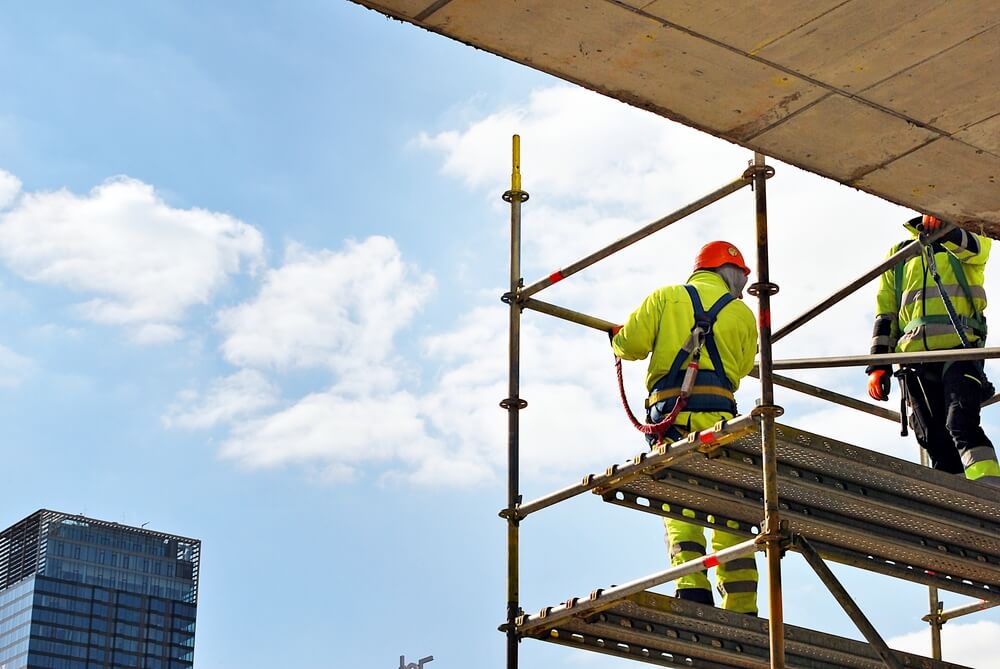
(615, 329)
(930, 223)
(879, 384)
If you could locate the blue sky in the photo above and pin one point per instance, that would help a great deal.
(250, 262)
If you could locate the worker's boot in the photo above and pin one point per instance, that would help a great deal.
(992, 481)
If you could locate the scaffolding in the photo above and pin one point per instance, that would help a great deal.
(780, 487)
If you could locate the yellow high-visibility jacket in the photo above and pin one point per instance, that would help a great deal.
(663, 321)
(917, 320)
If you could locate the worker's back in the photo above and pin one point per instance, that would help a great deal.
(663, 321)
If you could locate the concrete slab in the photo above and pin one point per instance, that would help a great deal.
(859, 44)
(636, 58)
(907, 91)
(959, 97)
(814, 138)
(744, 24)
(985, 135)
(945, 175)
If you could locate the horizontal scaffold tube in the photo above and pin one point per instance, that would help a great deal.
(628, 240)
(662, 455)
(900, 256)
(950, 355)
(959, 611)
(567, 314)
(831, 396)
(601, 598)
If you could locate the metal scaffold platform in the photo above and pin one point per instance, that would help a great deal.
(670, 632)
(856, 506)
(780, 487)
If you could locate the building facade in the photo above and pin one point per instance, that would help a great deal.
(79, 593)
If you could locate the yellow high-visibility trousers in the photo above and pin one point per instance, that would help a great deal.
(737, 579)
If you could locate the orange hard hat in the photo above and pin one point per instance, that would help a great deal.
(717, 254)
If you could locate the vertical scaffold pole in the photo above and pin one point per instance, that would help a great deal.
(767, 410)
(933, 619)
(513, 403)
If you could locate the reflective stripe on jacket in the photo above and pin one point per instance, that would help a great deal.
(919, 321)
(662, 323)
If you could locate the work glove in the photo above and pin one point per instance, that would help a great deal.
(615, 329)
(879, 384)
(930, 224)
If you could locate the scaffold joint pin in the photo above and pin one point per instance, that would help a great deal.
(513, 403)
(767, 409)
(782, 537)
(753, 169)
(510, 195)
(766, 287)
(513, 297)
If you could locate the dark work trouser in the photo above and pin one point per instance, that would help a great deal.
(944, 414)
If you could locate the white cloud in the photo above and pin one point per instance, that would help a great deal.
(574, 423)
(336, 310)
(335, 432)
(338, 313)
(143, 262)
(597, 170)
(244, 393)
(582, 146)
(974, 644)
(10, 186)
(14, 368)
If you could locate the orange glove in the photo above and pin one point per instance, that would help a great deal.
(931, 223)
(879, 384)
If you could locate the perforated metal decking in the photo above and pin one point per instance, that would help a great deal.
(673, 633)
(854, 505)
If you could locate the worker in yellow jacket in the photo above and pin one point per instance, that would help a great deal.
(661, 326)
(911, 315)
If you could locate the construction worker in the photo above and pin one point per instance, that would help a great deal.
(912, 315)
(662, 326)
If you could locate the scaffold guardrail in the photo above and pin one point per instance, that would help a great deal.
(785, 488)
(857, 506)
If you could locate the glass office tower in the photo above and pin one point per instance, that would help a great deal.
(79, 593)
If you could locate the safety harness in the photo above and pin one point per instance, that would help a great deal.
(976, 322)
(676, 389)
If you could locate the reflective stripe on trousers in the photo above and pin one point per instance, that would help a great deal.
(737, 579)
(945, 416)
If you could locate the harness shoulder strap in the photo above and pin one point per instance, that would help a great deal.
(963, 280)
(707, 319)
(699, 309)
